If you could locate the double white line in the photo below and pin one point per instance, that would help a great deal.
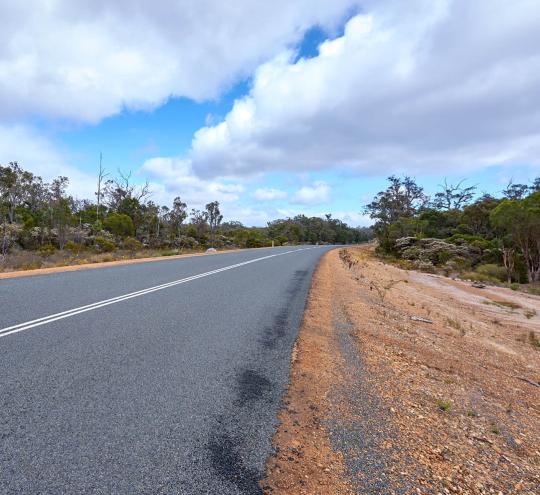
(27, 325)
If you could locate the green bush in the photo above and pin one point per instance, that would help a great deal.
(479, 277)
(103, 245)
(443, 257)
(73, 247)
(131, 244)
(494, 271)
(47, 249)
(119, 224)
(473, 240)
(514, 286)
(169, 252)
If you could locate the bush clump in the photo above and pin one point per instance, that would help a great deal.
(103, 245)
(119, 224)
(132, 244)
(47, 250)
(493, 271)
(73, 247)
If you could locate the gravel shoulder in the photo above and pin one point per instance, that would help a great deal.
(405, 382)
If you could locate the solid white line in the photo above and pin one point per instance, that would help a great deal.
(4, 332)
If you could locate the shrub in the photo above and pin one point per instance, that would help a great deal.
(119, 224)
(479, 277)
(132, 244)
(493, 271)
(443, 256)
(444, 405)
(169, 252)
(47, 249)
(514, 286)
(73, 247)
(405, 264)
(103, 245)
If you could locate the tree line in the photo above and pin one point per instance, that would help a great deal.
(43, 217)
(499, 231)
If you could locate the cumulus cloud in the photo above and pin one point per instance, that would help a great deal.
(171, 177)
(88, 59)
(268, 194)
(353, 218)
(316, 194)
(420, 86)
(21, 143)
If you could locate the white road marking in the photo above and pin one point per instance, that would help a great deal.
(4, 332)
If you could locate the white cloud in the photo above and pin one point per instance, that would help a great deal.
(420, 86)
(22, 144)
(88, 59)
(316, 194)
(353, 218)
(268, 194)
(171, 177)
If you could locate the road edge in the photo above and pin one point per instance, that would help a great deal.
(303, 460)
(107, 264)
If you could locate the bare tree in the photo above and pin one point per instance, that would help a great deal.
(453, 197)
(101, 176)
(121, 188)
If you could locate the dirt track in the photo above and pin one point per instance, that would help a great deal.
(382, 402)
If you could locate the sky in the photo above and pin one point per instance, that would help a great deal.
(272, 108)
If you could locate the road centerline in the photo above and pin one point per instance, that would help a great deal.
(20, 327)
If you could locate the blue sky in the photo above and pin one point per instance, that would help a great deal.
(302, 108)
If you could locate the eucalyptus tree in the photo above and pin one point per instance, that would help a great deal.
(214, 219)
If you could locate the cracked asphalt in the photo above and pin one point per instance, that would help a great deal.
(172, 392)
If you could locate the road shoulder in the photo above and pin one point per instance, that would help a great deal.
(408, 383)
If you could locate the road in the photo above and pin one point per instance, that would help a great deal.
(161, 378)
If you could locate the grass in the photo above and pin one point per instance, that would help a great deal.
(479, 277)
(533, 339)
(32, 260)
(529, 313)
(495, 429)
(471, 413)
(457, 325)
(444, 405)
(503, 304)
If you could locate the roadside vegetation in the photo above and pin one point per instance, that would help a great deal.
(457, 233)
(41, 225)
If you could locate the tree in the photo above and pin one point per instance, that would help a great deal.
(214, 219)
(402, 199)
(61, 209)
(477, 215)
(199, 222)
(177, 215)
(15, 184)
(515, 191)
(453, 197)
(521, 220)
(101, 176)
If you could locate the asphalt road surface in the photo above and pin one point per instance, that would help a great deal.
(158, 378)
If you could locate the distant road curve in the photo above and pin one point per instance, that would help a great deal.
(148, 378)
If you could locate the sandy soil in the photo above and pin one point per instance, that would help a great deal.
(457, 394)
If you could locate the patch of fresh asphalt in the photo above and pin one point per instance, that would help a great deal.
(174, 392)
